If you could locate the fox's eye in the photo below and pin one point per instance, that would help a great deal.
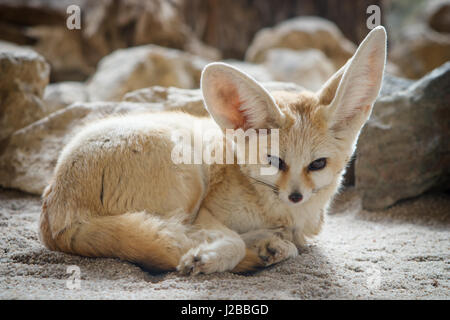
(317, 164)
(277, 162)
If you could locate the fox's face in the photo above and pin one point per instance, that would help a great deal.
(311, 156)
(317, 131)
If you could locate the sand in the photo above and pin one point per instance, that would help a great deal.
(400, 253)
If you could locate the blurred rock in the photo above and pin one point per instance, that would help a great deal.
(171, 99)
(404, 149)
(308, 68)
(393, 69)
(300, 34)
(23, 77)
(231, 26)
(198, 48)
(422, 49)
(6, 46)
(106, 26)
(59, 95)
(257, 71)
(423, 45)
(63, 49)
(41, 24)
(124, 23)
(439, 16)
(126, 70)
(35, 12)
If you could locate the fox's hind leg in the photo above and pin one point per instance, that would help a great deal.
(146, 239)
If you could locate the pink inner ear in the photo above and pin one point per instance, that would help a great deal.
(229, 103)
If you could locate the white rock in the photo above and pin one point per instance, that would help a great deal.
(308, 68)
(61, 94)
(23, 77)
(303, 33)
(130, 69)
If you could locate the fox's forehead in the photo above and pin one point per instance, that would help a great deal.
(301, 109)
(305, 131)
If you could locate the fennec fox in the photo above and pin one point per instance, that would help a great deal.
(116, 192)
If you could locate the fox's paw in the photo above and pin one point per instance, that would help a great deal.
(199, 260)
(274, 250)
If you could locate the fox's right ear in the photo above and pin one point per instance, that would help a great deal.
(235, 100)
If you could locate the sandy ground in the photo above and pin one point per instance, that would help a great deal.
(401, 253)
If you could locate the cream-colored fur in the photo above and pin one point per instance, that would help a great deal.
(117, 193)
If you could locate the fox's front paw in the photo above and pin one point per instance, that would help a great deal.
(199, 260)
(274, 250)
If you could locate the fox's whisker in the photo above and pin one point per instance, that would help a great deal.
(272, 186)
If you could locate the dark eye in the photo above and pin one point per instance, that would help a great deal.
(317, 164)
(277, 162)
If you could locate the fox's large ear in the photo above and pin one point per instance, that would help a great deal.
(349, 95)
(235, 100)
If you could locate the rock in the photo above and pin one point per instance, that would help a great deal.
(423, 45)
(300, 34)
(439, 16)
(106, 26)
(28, 157)
(198, 48)
(393, 69)
(63, 49)
(164, 19)
(126, 70)
(171, 99)
(111, 25)
(24, 75)
(404, 149)
(422, 49)
(41, 24)
(59, 95)
(10, 46)
(230, 26)
(257, 71)
(308, 68)
(35, 12)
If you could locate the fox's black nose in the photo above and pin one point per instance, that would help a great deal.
(295, 197)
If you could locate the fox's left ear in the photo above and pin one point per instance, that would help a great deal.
(237, 101)
(349, 95)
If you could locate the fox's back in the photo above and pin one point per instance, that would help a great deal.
(123, 164)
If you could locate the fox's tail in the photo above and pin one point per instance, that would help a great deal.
(143, 238)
